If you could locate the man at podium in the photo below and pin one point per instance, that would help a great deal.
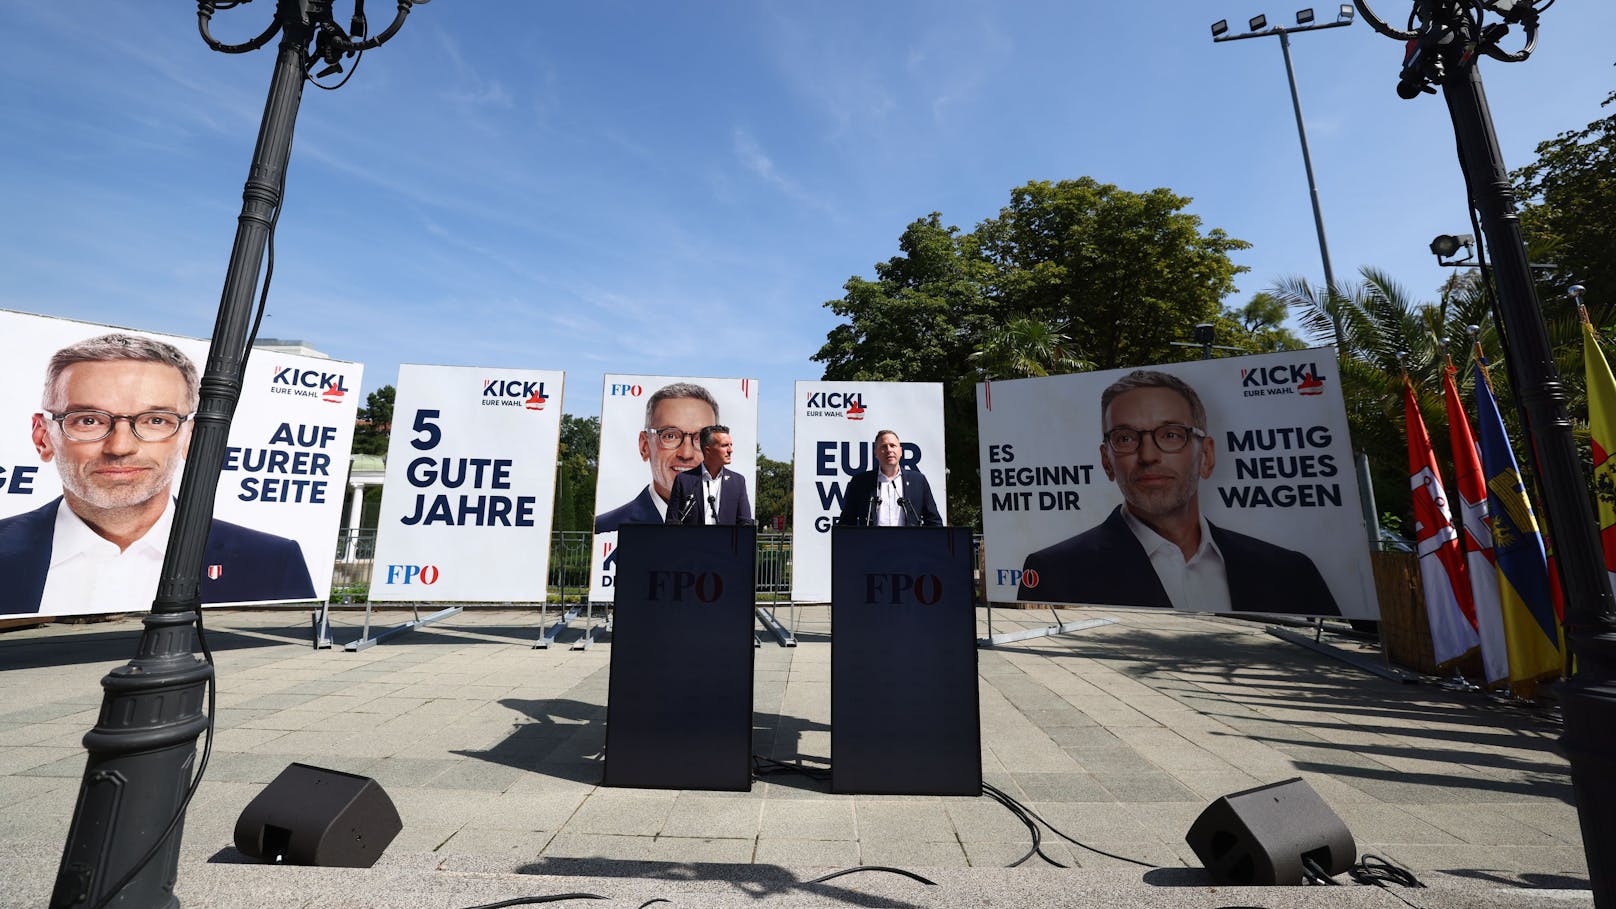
(710, 493)
(890, 495)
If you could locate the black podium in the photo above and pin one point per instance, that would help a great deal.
(679, 705)
(903, 702)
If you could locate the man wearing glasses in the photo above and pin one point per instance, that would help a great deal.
(1157, 549)
(711, 493)
(116, 421)
(671, 444)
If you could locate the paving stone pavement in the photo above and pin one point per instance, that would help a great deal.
(1118, 735)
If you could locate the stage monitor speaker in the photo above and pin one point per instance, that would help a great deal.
(1261, 836)
(313, 816)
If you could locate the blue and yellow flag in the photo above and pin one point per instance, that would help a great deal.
(1524, 593)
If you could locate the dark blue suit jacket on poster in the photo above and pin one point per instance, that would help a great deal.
(734, 507)
(639, 510)
(253, 565)
(1106, 565)
(856, 510)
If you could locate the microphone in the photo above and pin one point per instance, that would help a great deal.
(869, 513)
(712, 503)
(909, 511)
(690, 502)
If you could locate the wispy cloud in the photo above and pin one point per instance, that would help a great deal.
(752, 157)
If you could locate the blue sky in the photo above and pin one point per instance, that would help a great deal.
(677, 188)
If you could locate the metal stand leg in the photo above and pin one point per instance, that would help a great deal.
(366, 641)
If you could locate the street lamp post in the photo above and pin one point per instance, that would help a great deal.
(123, 843)
(1444, 42)
(1305, 22)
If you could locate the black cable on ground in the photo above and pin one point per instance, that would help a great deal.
(1372, 869)
(762, 766)
(856, 869)
(1021, 812)
(1008, 801)
(534, 900)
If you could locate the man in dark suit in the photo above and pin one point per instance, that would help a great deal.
(239, 564)
(891, 495)
(669, 443)
(711, 493)
(116, 421)
(1156, 549)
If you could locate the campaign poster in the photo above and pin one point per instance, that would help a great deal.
(835, 425)
(96, 431)
(639, 416)
(1220, 485)
(470, 486)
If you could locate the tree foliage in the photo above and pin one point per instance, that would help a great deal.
(774, 486)
(374, 422)
(1070, 275)
(1387, 333)
(1569, 217)
(577, 466)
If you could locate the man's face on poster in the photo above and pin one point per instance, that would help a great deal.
(685, 416)
(120, 471)
(1156, 483)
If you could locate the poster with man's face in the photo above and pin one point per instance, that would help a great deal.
(100, 424)
(1223, 485)
(650, 430)
(835, 424)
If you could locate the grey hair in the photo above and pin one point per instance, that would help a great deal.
(887, 432)
(1150, 378)
(678, 390)
(119, 347)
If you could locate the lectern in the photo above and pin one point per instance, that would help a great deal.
(679, 701)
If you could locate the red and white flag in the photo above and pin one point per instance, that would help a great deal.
(1448, 605)
(1476, 536)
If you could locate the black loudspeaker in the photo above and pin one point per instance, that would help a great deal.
(1261, 836)
(313, 816)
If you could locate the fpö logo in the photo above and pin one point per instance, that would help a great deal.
(1015, 577)
(835, 404)
(897, 589)
(410, 575)
(1285, 379)
(331, 387)
(684, 586)
(514, 393)
(625, 390)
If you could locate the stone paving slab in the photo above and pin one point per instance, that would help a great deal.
(1118, 735)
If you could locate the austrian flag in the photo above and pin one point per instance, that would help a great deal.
(1448, 603)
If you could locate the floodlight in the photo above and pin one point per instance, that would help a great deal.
(1219, 27)
(1347, 13)
(1258, 22)
(1304, 16)
(1446, 245)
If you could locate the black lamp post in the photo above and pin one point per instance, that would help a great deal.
(123, 845)
(1446, 41)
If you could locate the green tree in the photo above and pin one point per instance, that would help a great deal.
(1127, 273)
(374, 422)
(577, 465)
(1068, 275)
(1569, 216)
(1023, 348)
(774, 485)
(1257, 327)
(1386, 333)
(918, 321)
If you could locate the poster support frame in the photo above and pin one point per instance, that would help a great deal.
(366, 640)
